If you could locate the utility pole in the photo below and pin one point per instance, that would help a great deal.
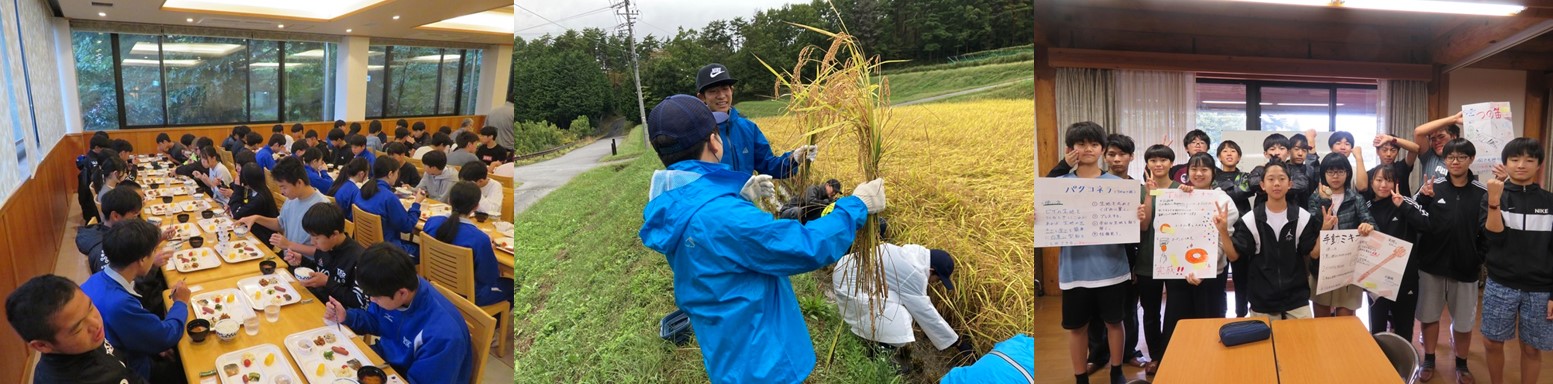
(629, 15)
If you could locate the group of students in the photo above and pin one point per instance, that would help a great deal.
(731, 260)
(1269, 220)
(113, 327)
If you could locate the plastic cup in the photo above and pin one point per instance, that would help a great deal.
(272, 312)
(251, 326)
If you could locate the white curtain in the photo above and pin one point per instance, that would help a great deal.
(1085, 94)
(39, 42)
(15, 113)
(1154, 106)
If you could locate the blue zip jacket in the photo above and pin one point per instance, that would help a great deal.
(265, 157)
(428, 341)
(367, 153)
(136, 333)
(346, 196)
(731, 262)
(486, 275)
(994, 369)
(319, 178)
(746, 149)
(396, 220)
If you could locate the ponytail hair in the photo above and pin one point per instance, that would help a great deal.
(111, 163)
(380, 169)
(463, 197)
(355, 166)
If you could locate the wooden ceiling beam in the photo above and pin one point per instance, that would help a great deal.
(1476, 40)
(1089, 58)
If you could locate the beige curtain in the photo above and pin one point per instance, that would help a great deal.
(1405, 105)
(1085, 94)
(1152, 106)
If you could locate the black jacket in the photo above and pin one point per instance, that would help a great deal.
(1455, 246)
(1521, 256)
(98, 366)
(340, 265)
(251, 202)
(1404, 222)
(1276, 262)
(1237, 185)
(408, 175)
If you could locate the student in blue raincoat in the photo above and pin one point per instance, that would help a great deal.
(730, 259)
(745, 147)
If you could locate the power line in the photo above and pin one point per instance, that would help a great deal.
(588, 13)
(541, 17)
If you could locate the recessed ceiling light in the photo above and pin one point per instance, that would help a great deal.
(289, 9)
(102, 14)
(282, 26)
(396, 17)
(191, 19)
(347, 30)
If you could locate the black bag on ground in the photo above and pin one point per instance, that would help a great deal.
(1242, 332)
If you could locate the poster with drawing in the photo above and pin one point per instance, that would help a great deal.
(1488, 126)
(1071, 211)
(1373, 262)
(1185, 240)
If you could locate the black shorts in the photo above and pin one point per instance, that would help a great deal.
(1080, 305)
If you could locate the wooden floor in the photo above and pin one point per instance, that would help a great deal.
(1054, 366)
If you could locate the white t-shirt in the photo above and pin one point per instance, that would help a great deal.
(1337, 202)
(1277, 220)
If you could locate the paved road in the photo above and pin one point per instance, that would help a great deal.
(539, 179)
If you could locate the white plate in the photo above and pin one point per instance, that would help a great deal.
(309, 358)
(279, 367)
(216, 224)
(278, 290)
(433, 210)
(194, 205)
(185, 230)
(162, 209)
(238, 251)
(232, 303)
(503, 243)
(197, 259)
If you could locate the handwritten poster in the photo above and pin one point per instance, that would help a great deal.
(1185, 240)
(1373, 262)
(1071, 211)
(1488, 127)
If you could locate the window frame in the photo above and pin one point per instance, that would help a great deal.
(458, 84)
(1254, 96)
(280, 83)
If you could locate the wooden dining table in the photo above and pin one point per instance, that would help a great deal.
(200, 358)
(225, 269)
(1323, 350)
(504, 258)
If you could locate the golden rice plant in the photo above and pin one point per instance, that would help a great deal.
(959, 180)
(840, 99)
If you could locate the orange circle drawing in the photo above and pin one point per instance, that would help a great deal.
(1161, 247)
(1196, 256)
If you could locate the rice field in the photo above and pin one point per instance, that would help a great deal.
(958, 178)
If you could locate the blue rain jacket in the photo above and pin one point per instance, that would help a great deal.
(746, 149)
(731, 261)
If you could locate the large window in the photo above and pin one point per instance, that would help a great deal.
(405, 81)
(129, 80)
(1248, 105)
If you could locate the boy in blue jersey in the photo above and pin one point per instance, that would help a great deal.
(730, 259)
(421, 333)
(139, 335)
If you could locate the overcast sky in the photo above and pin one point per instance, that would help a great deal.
(658, 17)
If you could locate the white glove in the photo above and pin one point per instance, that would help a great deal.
(758, 187)
(806, 152)
(872, 194)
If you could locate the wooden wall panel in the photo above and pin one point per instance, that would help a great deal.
(34, 222)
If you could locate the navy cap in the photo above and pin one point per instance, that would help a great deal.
(713, 74)
(943, 266)
(680, 122)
